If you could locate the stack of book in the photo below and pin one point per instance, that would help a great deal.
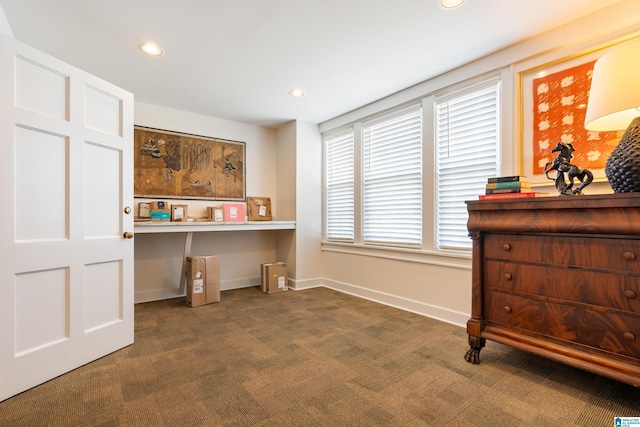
(509, 187)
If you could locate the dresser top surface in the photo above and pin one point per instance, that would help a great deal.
(620, 200)
(603, 214)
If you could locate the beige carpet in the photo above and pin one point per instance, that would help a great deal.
(313, 358)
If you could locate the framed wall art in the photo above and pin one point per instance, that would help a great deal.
(183, 166)
(553, 103)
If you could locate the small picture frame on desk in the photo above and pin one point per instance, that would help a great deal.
(215, 213)
(179, 213)
(144, 210)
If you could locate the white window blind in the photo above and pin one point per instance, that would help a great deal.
(467, 142)
(339, 187)
(392, 178)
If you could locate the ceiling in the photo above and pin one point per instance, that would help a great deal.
(239, 59)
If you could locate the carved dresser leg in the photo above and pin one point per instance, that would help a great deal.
(473, 354)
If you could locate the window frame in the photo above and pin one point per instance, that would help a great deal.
(494, 86)
(342, 133)
(425, 93)
(386, 119)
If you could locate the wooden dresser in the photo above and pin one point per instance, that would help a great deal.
(559, 277)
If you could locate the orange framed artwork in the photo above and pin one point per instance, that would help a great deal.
(183, 166)
(553, 100)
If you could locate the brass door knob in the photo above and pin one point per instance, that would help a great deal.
(128, 235)
(629, 336)
(507, 276)
(507, 309)
(629, 256)
(630, 294)
(506, 246)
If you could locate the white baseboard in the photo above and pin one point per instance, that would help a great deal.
(439, 313)
(300, 285)
(161, 294)
(156, 295)
(247, 282)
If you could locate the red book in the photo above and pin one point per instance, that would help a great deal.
(524, 195)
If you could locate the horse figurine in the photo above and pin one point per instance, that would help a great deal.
(565, 171)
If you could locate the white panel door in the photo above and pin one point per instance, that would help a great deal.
(66, 267)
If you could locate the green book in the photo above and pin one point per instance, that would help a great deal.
(509, 184)
(512, 178)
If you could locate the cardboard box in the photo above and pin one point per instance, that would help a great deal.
(235, 212)
(203, 280)
(163, 215)
(144, 210)
(179, 213)
(212, 279)
(215, 213)
(195, 281)
(263, 276)
(277, 278)
(259, 208)
(159, 211)
(274, 277)
(159, 206)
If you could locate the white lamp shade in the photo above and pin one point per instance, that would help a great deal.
(614, 97)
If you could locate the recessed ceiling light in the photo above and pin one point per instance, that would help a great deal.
(150, 48)
(297, 93)
(449, 4)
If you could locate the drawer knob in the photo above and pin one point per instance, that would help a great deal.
(507, 276)
(506, 246)
(629, 336)
(629, 256)
(629, 293)
(507, 309)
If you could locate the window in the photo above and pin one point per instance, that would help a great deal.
(392, 178)
(467, 127)
(339, 187)
(377, 193)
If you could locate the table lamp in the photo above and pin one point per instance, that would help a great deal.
(614, 104)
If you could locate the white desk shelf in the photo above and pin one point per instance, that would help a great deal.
(203, 226)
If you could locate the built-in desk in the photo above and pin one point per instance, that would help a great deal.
(204, 226)
(200, 226)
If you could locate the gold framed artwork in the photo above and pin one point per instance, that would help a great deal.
(553, 100)
(183, 166)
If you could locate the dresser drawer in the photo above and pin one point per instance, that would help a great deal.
(610, 331)
(617, 291)
(598, 253)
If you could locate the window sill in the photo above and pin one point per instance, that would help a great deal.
(452, 259)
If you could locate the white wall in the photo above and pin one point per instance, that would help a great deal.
(439, 285)
(159, 257)
(5, 28)
(308, 204)
(300, 185)
(286, 185)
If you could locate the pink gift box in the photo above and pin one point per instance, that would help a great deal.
(235, 212)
